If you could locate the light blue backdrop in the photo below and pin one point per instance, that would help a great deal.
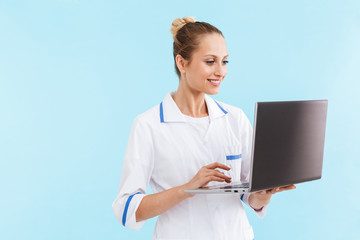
(75, 73)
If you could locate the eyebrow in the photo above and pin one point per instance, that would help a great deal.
(212, 55)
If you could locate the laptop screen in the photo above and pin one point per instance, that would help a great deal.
(288, 143)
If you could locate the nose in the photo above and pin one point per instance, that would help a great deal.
(220, 70)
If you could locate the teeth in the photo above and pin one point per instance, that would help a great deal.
(214, 81)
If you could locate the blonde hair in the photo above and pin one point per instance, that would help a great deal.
(186, 33)
(179, 23)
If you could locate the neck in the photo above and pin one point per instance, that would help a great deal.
(190, 103)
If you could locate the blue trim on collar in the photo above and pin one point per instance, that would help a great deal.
(126, 208)
(221, 107)
(161, 113)
(242, 196)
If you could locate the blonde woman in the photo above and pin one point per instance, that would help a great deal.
(182, 143)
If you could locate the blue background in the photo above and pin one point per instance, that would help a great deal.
(75, 73)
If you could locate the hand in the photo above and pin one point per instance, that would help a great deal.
(259, 199)
(207, 174)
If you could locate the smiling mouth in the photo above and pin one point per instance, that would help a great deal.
(216, 81)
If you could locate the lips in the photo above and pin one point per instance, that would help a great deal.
(215, 82)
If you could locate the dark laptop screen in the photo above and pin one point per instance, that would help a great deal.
(289, 143)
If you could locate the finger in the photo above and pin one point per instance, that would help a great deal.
(217, 179)
(217, 165)
(219, 174)
(273, 190)
(212, 178)
(284, 188)
(288, 187)
(260, 192)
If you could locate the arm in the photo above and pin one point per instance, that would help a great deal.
(132, 205)
(155, 204)
(136, 173)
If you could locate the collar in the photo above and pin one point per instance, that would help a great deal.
(169, 111)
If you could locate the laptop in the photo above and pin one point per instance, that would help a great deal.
(288, 146)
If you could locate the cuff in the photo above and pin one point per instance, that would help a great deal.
(125, 211)
(260, 213)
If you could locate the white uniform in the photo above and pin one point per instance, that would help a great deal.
(166, 149)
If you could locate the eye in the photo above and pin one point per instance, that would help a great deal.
(225, 62)
(210, 62)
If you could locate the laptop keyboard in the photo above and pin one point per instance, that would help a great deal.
(242, 185)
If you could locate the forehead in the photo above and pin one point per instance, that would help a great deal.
(211, 44)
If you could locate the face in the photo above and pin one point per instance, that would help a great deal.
(207, 67)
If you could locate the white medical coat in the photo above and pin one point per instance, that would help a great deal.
(163, 151)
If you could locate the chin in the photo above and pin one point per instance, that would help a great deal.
(213, 91)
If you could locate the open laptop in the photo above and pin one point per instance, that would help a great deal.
(288, 146)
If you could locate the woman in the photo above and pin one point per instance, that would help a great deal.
(182, 144)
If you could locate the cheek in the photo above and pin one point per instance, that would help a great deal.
(225, 72)
(201, 72)
(206, 72)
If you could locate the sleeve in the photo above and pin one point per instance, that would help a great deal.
(246, 139)
(135, 176)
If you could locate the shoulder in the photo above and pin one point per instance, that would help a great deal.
(232, 111)
(237, 120)
(148, 118)
(236, 117)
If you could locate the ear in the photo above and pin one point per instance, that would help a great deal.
(180, 63)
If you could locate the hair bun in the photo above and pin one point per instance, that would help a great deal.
(179, 23)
